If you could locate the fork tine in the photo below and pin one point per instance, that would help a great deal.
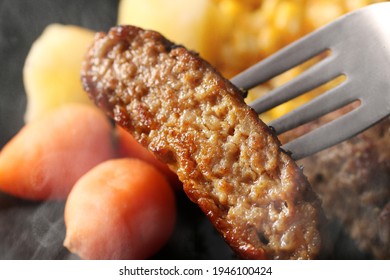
(336, 131)
(313, 77)
(287, 58)
(327, 102)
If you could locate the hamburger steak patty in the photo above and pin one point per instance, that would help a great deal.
(353, 181)
(196, 121)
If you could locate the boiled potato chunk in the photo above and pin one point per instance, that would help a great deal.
(51, 72)
(187, 22)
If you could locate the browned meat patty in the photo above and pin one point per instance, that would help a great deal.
(353, 180)
(193, 119)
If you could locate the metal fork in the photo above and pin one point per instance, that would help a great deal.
(359, 45)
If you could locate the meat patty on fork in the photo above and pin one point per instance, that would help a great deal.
(190, 117)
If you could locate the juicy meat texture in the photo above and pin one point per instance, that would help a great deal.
(353, 181)
(193, 119)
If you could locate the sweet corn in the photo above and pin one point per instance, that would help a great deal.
(275, 24)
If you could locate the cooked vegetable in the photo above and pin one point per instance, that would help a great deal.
(51, 73)
(191, 26)
(121, 209)
(49, 155)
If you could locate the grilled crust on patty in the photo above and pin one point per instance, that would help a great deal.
(193, 119)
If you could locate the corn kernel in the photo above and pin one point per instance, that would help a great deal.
(289, 17)
(328, 11)
(356, 4)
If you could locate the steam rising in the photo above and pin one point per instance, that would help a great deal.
(32, 230)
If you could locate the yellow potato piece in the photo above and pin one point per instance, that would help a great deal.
(187, 22)
(51, 73)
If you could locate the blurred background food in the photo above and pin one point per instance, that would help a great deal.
(53, 66)
(353, 178)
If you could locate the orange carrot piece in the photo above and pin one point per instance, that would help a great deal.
(121, 209)
(47, 157)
